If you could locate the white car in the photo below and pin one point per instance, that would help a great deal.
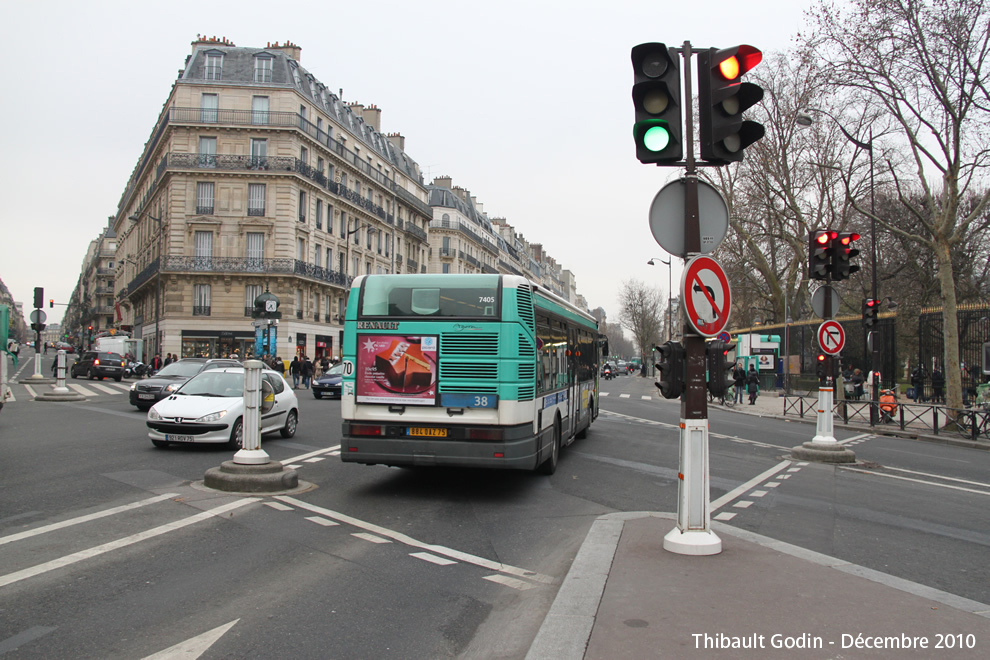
(209, 407)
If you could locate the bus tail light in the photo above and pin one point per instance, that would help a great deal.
(366, 429)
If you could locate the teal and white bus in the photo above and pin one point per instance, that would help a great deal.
(465, 370)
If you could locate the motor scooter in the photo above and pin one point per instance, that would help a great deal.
(608, 373)
(135, 368)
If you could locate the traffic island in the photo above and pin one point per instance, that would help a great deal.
(270, 477)
(823, 452)
(60, 394)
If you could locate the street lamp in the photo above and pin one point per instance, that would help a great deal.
(158, 284)
(805, 119)
(669, 291)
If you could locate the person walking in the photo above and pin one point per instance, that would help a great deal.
(938, 384)
(306, 371)
(156, 363)
(739, 380)
(857, 381)
(918, 381)
(294, 370)
(752, 385)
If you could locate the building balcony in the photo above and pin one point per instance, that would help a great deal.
(201, 310)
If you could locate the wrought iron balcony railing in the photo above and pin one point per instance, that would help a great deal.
(201, 310)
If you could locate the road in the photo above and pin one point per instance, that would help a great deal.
(111, 549)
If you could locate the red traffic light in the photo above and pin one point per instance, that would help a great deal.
(821, 358)
(870, 302)
(742, 60)
(822, 238)
(846, 239)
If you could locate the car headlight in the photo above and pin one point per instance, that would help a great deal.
(133, 387)
(153, 414)
(171, 388)
(212, 417)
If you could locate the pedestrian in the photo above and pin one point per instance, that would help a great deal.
(739, 380)
(168, 360)
(918, 381)
(294, 370)
(306, 371)
(938, 384)
(156, 363)
(752, 385)
(857, 380)
(325, 363)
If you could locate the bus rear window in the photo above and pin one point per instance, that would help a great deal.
(434, 296)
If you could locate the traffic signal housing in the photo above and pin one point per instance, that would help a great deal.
(51, 303)
(720, 379)
(671, 367)
(39, 297)
(723, 97)
(870, 309)
(843, 250)
(820, 366)
(819, 253)
(656, 96)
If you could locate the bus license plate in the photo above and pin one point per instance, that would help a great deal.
(179, 438)
(428, 432)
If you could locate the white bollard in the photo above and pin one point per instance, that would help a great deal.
(824, 425)
(693, 534)
(60, 387)
(251, 452)
(37, 367)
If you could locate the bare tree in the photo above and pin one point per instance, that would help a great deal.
(924, 64)
(642, 310)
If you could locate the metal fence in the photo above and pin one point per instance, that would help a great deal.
(974, 329)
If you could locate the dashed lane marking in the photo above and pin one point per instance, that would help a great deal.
(319, 520)
(509, 582)
(736, 492)
(370, 537)
(433, 559)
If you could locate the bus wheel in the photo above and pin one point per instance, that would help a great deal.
(549, 466)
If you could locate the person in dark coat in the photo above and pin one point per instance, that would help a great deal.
(752, 385)
(306, 371)
(918, 381)
(739, 380)
(938, 384)
(294, 370)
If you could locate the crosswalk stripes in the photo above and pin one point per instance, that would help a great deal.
(90, 389)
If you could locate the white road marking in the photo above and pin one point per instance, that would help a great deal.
(433, 559)
(771, 484)
(603, 394)
(319, 520)
(918, 481)
(743, 504)
(195, 647)
(936, 476)
(370, 537)
(82, 390)
(120, 386)
(794, 469)
(31, 391)
(104, 388)
(509, 582)
(855, 438)
(75, 557)
(623, 396)
(758, 493)
(646, 398)
(293, 467)
(318, 452)
(725, 516)
(278, 506)
(315, 459)
(81, 519)
(408, 540)
(739, 490)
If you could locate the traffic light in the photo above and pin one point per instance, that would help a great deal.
(820, 366)
(819, 249)
(656, 96)
(870, 309)
(720, 379)
(51, 303)
(671, 367)
(723, 98)
(39, 297)
(843, 250)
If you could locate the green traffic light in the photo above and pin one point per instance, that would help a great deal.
(656, 138)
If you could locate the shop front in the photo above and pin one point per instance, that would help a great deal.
(324, 346)
(218, 343)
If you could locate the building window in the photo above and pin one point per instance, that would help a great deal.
(302, 206)
(299, 303)
(251, 291)
(301, 249)
(204, 198)
(329, 260)
(329, 219)
(259, 110)
(304, 155)
(259, 154)
(255, 249)
(214, 66)
(319, 214)
(209, 105)
(256, 199)
(203, 250)
(207, 152)
(262, 69)
(317, 256)
(201, 299)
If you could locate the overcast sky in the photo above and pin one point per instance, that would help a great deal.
(524, 103)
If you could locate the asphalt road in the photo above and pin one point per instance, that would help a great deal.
(375, 562)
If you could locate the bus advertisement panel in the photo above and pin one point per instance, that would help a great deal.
(397, 369)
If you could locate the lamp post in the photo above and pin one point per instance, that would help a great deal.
(669, 292)
(158, 283)
(805, 119)
(787, 345)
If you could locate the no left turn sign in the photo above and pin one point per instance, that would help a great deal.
(705, 291)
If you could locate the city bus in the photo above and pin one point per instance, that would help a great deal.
(465, 370)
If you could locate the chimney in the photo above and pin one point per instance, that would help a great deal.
(443, 182)
(288, 48)
(373, 116)
(397, 140)
(203, 40)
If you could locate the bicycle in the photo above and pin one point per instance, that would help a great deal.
(727, 402)
(978, 416)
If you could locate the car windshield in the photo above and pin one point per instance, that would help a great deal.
(180, 368)
(335, 370)
(214, 383)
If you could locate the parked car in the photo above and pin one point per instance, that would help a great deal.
(149, 391)
(329, 384)
(99, 364)
(209, 408)
(62, 346)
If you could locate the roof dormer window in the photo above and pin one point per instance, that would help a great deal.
(263, 68)
(214, 65)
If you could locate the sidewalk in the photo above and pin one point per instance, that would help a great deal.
(627, 597)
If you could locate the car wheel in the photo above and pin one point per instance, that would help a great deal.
(161, 444)
(549, 466)
(72, 372)
(90, 375)
(291, 422)
(237, 435)
(117, 378)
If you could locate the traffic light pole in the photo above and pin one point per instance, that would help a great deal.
(693, 534)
